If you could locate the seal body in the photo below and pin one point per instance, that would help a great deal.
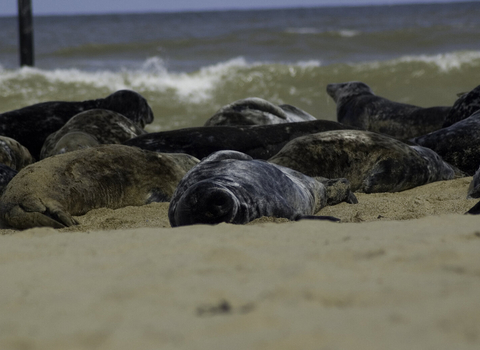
(13, 154)
(31, 125)
(358, 106)
(458, 144)
(231, 187)
(371, 162)
(51, 191)
(89, 128)
(466, 105)
(260, 142)
(474, 188)
(257, 111)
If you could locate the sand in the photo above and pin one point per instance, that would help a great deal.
(401, 271)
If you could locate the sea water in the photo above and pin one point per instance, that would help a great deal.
(189, 64)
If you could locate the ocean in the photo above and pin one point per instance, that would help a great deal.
(189, 64)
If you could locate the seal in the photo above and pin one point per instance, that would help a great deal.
(13, 154)
(467, 104)
(257, 111)
(31, 125)
(358, 106)
(371, 162)
(51, 191)
(259, 142)
(90, 128)
(231, 187)
(474, 188)
(6, 175)
(458, 144)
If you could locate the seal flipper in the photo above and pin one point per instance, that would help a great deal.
(319, 217)
(475, 210)
(338, 190)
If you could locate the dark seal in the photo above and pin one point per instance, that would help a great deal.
(257, 111)
(467, 104)
(31, 125)
(90, 128)
(371, 162)
(474, 188)
(458, 144)
(358, 106)
(13, 157)
(51, 191)
(259, 142)
(231, 187)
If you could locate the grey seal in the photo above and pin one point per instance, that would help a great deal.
(13, 157)
(230, 186)
(31, 125)
(474, 188)
(257, 111)
(371, 162)
(467, 104)
(358, 106)
(13, 154)
(260, 142)
(51, 191)
(90, 128)
(458, 144)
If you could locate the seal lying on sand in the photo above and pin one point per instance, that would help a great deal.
(13, 154)
(257, 111)
(51, 191)
(464, 107)
(31, 125)
(13, 157)
(90, 128)
(259, 142)
(474, 188)
(358, 106)
(230, 186)
(458, 144)
(371, 162)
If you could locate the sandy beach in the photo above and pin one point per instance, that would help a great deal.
(401, 271)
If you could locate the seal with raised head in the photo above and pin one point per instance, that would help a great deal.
(89, 128)
(458, 144)
(231, 187)
(467, 104)
(259, 142)
(371, 162)
(51, 191)
(257, 111)
(31, 125)
(358, 106)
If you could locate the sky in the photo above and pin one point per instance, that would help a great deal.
(57, 7)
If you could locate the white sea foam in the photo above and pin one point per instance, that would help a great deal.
(345, 33)
(445, 62)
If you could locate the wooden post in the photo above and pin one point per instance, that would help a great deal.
(25, 31)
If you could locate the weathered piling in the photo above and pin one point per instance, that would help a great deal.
(25, 31)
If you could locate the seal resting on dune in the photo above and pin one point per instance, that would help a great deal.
(371, 162)
(231, 187)
(51, 191)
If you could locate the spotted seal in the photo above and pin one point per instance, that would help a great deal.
(232, 187)
(89, 128)
(31, 125)
(467, 104)
(358, 106)
(51, 191)
(371, 162)
(260, 142)
(458, 144)
(13, 157)
(257, 111)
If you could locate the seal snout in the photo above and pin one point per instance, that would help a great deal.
(205, 203)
